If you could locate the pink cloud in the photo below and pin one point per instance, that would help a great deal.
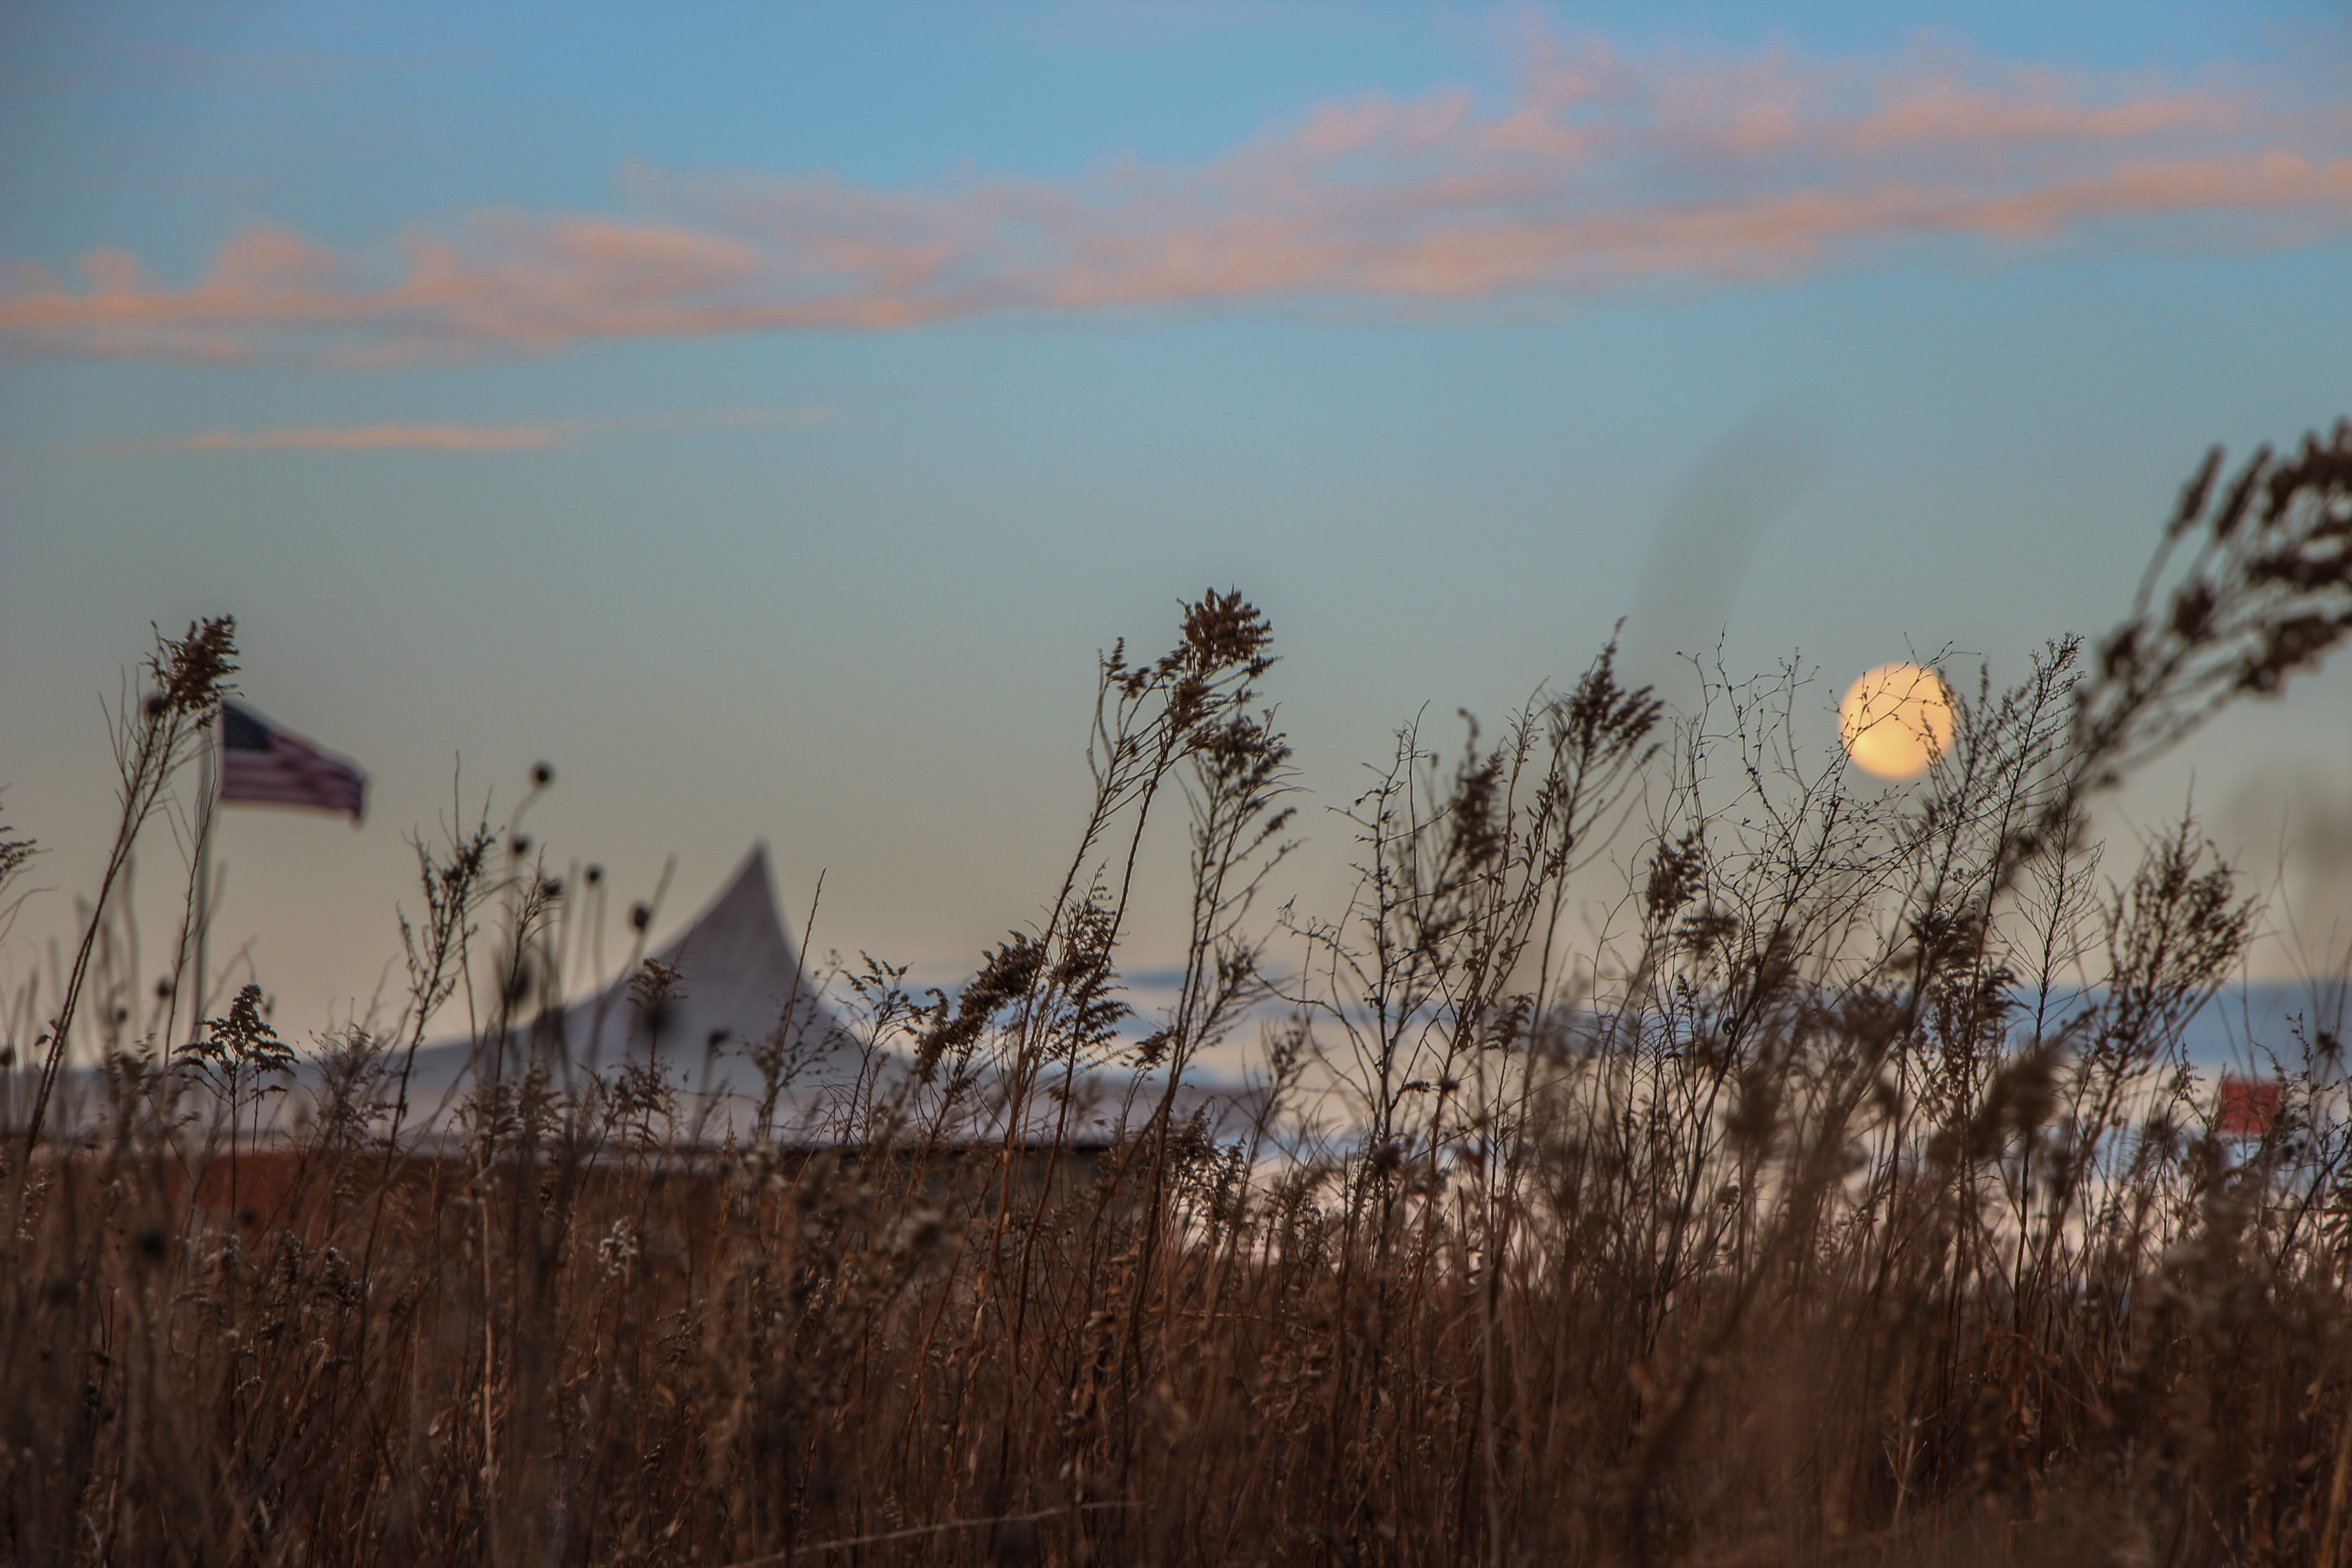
(444, 437)
(357, 438)
(1598, 172)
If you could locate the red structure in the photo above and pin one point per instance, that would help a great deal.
(2250, 1106)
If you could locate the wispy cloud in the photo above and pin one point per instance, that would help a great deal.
(1598, 172)
(441, 437)
(354, 438)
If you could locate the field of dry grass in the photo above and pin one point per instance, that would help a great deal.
(1769, 1225)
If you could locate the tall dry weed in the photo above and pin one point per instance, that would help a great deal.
(1842, 1195)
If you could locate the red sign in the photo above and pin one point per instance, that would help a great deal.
(2250, 1106)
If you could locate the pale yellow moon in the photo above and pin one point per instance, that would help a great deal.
(1897, 720)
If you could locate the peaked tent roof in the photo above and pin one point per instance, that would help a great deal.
(737, 972)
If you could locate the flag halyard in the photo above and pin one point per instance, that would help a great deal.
(262, 764)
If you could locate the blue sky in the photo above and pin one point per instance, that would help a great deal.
(764, 413)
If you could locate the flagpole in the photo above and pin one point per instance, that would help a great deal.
(208, 805)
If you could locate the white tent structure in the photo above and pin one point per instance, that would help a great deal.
(739, 986)
(737, 978)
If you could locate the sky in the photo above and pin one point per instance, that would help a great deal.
(765, 413)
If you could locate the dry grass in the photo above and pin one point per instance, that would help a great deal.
(1762, 1224)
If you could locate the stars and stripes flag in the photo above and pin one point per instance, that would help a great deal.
(265, 765)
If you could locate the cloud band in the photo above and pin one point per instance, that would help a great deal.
(444, 437)
(1598, 174)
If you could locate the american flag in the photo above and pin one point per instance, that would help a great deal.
(263, 763)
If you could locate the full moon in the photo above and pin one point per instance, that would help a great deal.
(1897, 720)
